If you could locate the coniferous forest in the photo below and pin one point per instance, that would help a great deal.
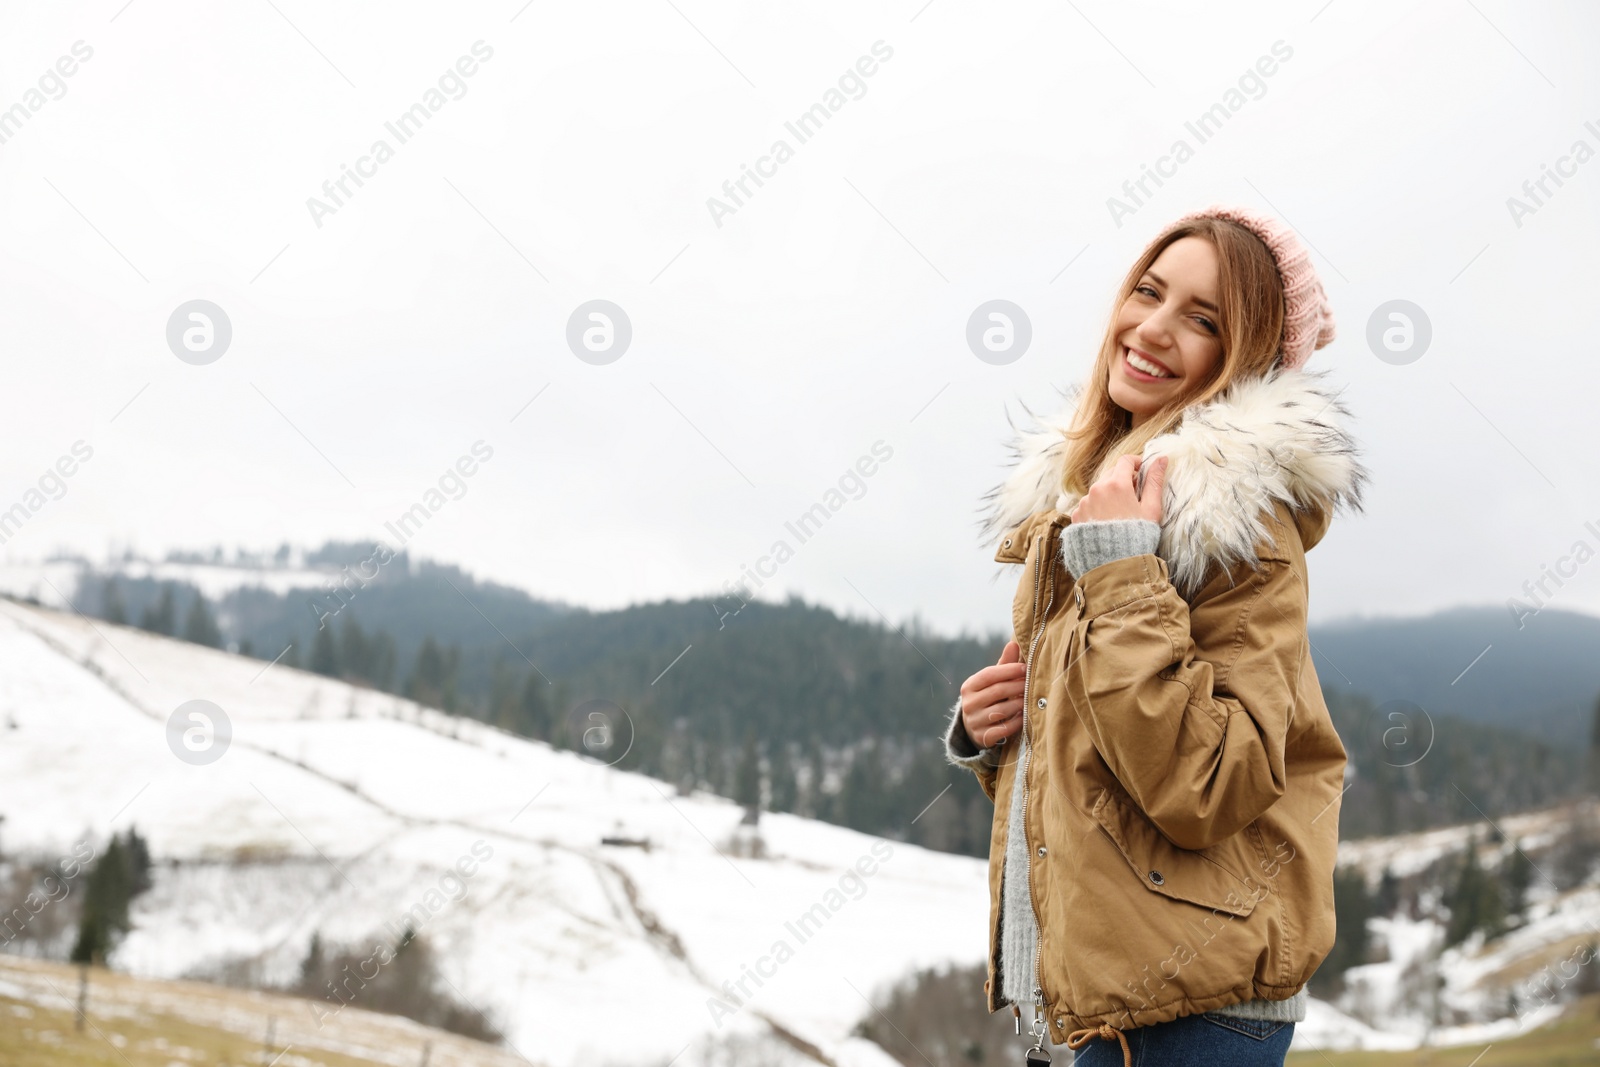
(788, 707)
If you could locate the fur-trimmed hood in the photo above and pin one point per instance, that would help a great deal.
(1280, 437)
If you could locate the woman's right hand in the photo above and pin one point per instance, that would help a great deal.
(991, 700)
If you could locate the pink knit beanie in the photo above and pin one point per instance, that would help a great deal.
(1307, 317)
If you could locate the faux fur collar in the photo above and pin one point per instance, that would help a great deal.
(1280, 437)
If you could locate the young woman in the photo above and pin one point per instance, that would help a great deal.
(1165, 775)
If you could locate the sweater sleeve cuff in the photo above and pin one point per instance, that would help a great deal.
(1086, 545)
(959, 747)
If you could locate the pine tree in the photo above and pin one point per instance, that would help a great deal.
(714, 768)
(380, 661)
(199, 627)
(112, 607)
(137, 851)
(325, 654)
(311, 967)
(784, 787)
(1352, 907)
(1475, 902)
(816, 803)
(924, 782)
(747, 780)
(450, 700)
(533, 712)
(104, 918)
(427, 682)
(162, 616)
(675, 764)
(1516, 875)
(354, 650)
(862, 797)
(1594, 750)
(1387, 901)
(502, 697)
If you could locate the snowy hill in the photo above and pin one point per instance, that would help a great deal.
(52, 582)
(343, 811)
(349, 813)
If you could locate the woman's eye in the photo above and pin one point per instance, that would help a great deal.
(1207, 323)
(1146, 289)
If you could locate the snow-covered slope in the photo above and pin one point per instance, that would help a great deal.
(344, 811)
(350, 813)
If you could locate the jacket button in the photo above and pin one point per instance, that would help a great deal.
(1155, 876)
(1042, 703)
(1061, 1024)
(1007, 544)
(1079, 597)
(1041, 851)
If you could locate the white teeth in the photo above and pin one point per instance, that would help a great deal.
(1149, 367)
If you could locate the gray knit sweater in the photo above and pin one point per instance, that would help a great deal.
(1084, 546)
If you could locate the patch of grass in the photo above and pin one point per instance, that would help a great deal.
(1572, 1040)
(33, 1036)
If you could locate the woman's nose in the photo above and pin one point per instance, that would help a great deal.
(1154, 331)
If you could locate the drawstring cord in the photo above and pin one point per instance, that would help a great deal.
(1079, 1038)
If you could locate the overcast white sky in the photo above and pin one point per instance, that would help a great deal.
(827, 313)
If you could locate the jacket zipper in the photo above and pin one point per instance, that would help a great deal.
(1027, 757)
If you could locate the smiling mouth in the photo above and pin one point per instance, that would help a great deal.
(1144, 365)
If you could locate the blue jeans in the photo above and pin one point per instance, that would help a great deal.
(1204, 1040)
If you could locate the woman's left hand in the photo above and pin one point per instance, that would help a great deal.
(1112, 497)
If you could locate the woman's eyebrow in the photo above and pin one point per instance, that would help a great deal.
(1208, 305)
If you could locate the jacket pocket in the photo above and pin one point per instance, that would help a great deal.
(1164, 868)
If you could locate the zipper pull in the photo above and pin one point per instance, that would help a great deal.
(1038, 1055)
(1016, 1018)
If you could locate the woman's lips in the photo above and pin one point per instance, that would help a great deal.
(1139, 375)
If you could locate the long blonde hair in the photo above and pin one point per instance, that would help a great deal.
(1250, 298)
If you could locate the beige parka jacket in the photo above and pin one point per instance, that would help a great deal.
(1183, 777)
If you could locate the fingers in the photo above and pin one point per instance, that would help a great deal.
(1155, 480)
(997, 683)
(989, 725)
(1012, 653)
(991, 698)
(993, 735)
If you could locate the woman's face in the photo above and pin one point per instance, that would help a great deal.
(1168, 330)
